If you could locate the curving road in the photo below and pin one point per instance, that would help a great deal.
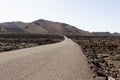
(59, 61)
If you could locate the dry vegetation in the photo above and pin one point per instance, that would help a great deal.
(103, 54)
(10, 42)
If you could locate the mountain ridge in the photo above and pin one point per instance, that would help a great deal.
(42, 26)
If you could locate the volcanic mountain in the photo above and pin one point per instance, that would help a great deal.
(13, 27)
(42, 27)
(48, 27)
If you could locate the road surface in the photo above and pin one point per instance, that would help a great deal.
(59, 61)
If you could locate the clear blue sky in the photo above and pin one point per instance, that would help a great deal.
(90, 15)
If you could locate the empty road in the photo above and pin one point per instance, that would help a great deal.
(59, 61)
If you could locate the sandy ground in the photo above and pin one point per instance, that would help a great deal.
(59, 61)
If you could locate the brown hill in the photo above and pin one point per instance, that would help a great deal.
(116, 34)
(102, 33)
(105, 34)
(13, 27)
(49, 27)
(41, 27)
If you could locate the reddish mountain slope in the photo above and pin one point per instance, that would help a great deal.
(44, 26)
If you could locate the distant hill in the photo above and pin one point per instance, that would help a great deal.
(102, 33)
(42, 27)
(105, 34)
(13, 27)
(49, 27)
(116, 34)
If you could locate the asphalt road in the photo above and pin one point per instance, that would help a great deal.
(59, 61)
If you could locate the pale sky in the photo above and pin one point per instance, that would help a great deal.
(89, 15)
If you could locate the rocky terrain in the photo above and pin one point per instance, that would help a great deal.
(103, 54)
(10, 42)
